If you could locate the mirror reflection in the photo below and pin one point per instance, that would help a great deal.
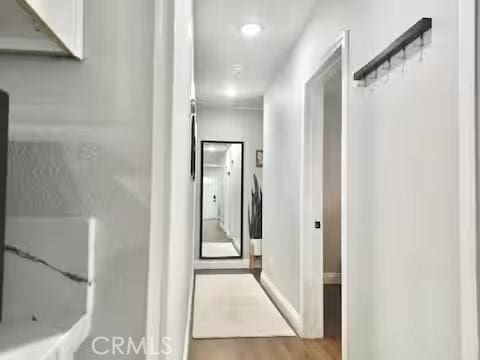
(222, 194)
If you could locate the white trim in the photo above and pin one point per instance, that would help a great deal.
(282, 303)
(40, 46)
(236, 245)
(332, 278)
(159, 238)
(77, 50)
(346, 85)
(188, 330)
(222, 264)
(467, 182)
(313, 325)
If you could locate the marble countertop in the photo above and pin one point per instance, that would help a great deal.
(28, 339)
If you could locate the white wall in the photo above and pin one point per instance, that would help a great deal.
(234, 167)
(222, 194)
(80, 145)
(231, 124)
(180, 251)
(403, 187)
(212, 181)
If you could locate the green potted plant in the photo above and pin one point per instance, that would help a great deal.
(255, 219)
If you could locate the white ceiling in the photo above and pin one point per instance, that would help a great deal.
(220, 46)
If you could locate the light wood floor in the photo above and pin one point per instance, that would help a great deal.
(288, 348)
(212, 232)
(265, 349)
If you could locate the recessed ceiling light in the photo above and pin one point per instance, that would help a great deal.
(213, 148)
(230, 92)
(251, 30)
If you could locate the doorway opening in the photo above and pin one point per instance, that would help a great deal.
(324, 240)
(332, 200)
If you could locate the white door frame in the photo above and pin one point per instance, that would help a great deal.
(311, 264)
(468, 172)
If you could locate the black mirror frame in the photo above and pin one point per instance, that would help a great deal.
(202, 147)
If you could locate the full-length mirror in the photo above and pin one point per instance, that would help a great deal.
(221, 230)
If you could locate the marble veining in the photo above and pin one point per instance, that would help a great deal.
(27, 256)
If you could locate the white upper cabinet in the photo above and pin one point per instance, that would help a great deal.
(52, 27)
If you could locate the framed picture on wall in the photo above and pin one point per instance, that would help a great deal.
(259, 158)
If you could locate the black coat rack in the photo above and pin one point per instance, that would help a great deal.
(416, 31)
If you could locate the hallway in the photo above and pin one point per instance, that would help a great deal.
(156, 154)
(219, 244)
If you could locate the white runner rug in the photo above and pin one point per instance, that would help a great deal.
(213, 249)
(235, 305)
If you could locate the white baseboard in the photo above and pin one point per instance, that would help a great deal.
(332, 279)
(222, 226)
(188, 330)
(236, 245)
(282, 303)
(222, 264)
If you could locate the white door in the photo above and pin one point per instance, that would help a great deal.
(210, 198)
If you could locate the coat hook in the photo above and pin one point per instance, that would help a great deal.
(399, 47)
(388, 67)
(422, 46)
(373, 78)
(404, 57)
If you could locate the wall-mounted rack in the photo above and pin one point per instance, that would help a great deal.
(416, 31)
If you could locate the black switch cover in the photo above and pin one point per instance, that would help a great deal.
(318, 225)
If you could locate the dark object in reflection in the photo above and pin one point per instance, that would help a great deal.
(4, 108)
